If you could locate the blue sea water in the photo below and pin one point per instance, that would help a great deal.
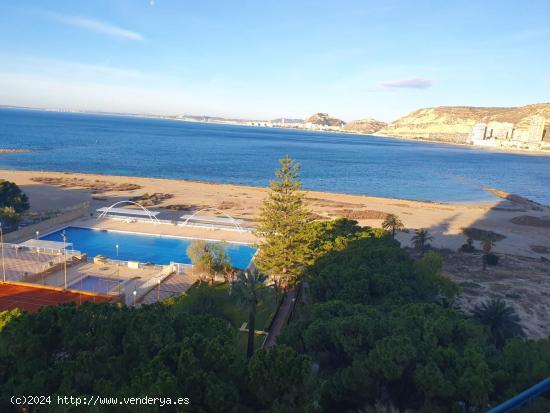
(143, 248)
(122, 145)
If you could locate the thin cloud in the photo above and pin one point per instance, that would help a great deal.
(98, 27)
(68, 68)
(408, 83)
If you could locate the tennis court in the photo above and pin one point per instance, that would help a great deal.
(32, 298)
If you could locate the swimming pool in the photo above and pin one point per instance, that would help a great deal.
(143, 248)
(101, 285)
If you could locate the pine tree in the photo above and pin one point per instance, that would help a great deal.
(283, 217)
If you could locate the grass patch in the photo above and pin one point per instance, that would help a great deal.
(242, 341)
(216, 301)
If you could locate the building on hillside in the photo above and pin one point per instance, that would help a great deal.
(532, 133)
(259, 123)
(317, 126)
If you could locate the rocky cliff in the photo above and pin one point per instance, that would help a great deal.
(453, 123)
(365, 126)
(323, 119)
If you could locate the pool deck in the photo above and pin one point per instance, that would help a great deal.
(78, 271)
(168, 230)
(172, 286)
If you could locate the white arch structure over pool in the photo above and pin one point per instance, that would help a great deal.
(112, 208)
(213, 220)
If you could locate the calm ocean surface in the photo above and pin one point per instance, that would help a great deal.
(354, 164)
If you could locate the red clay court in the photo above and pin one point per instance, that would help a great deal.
(32, 298)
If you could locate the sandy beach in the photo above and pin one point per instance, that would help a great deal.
(49, 191)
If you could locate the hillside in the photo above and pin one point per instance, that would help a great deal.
(365, 126)
(323, 119)
(453, 123)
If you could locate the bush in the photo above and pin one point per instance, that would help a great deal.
(468, 247)
(492, 259)
(209, 257)
(9, 217)
(12, 196)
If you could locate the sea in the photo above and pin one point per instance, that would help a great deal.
(243, 155)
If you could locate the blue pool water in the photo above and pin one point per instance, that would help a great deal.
(121, 145)
(142, 248)
(95, 284)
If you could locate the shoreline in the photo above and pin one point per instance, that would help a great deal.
(132, 177)
(50, 191)
(230, 122)
(516, 151)
(493, 192)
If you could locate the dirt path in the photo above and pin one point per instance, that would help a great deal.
(280, 319)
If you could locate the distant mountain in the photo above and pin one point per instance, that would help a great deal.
(454, 123)
(365, 125)
(323, 119)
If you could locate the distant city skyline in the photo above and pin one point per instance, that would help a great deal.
(265, 60)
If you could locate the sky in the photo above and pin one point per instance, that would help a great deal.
(267, 59)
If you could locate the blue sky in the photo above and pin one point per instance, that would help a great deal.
(265, 59)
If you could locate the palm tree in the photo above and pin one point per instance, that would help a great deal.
(500, 318)
(487, 244)
(393, 224)
(249, 289)
(421, 239)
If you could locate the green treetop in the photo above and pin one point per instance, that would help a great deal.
(282, 219)
(210, 258)
(12, 196)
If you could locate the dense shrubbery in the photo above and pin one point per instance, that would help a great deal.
(12, 202)
(365, 265)
(12, 196)
(382, 330)
(414, 355)
(155, 351)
